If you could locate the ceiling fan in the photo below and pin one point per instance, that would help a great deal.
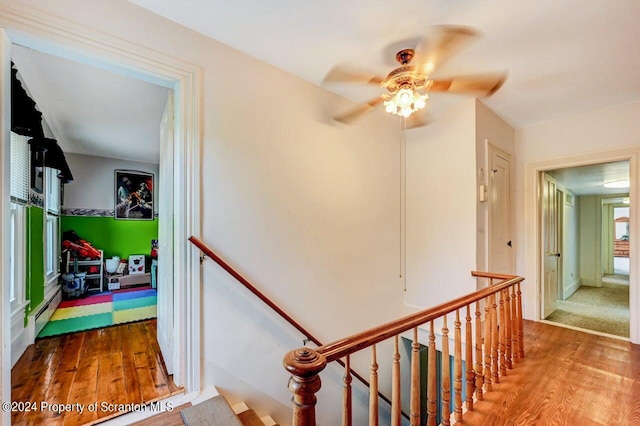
(408, 86)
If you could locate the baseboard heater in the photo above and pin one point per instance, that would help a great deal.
(42, 316)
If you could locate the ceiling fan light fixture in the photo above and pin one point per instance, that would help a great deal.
(405, 102)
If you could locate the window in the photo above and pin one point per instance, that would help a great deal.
(52, 226)
(16, 256)
(19, 165)
(19, 168)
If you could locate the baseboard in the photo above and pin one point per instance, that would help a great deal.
(39, 317)
(572, 288)
(19, 336)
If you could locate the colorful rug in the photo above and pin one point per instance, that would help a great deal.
(102, 310)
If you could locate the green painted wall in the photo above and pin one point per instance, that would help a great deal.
(116, 237)
(35, 256)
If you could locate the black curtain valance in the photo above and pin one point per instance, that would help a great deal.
(53, 157)
(27, 120)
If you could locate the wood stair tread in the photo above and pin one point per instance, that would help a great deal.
(250, 418)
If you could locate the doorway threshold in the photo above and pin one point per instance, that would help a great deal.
(585, 330)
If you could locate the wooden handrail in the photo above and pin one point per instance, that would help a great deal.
(224, 265)
(305, 364)
(356, 342)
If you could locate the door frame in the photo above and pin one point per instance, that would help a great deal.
(531, 228)
(49, 34)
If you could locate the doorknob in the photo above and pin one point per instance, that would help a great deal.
(557, 254)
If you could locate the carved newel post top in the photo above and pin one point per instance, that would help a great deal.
(304, 362)
(305, 365)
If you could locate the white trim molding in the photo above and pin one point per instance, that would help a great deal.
(5, 220)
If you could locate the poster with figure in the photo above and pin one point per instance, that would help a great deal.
(133, 195)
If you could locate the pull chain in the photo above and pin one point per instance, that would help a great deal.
(403, 202)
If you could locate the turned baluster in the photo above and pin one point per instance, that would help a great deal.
(446, 375)
(346, 393)
(508, 320)
(304, 364)
(514, 324)
(373, 389)
(520, 325)
(457, 369)
(479, 341)
(469, 355)
(487, 345)
(415, 380)
(396, 407)
(502, 327)
(494, 340)
(431, 379)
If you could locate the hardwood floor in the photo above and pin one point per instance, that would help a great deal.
(567, 378)
(115, 365)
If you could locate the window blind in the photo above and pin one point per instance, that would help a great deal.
(19, 168)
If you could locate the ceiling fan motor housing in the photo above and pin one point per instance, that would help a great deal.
(406, 76)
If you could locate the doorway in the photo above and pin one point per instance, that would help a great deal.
(580, 239)
(616, 240)
(104, 50)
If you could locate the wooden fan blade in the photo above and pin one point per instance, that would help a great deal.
(345, 75)
(439, 44)
(357, 112)
(477, 85)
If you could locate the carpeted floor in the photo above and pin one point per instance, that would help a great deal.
(102, 310)
(603, 309)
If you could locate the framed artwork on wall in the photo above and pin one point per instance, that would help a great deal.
(133, 195)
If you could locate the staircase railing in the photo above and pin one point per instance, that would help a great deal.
(491, 349)
(309, 337)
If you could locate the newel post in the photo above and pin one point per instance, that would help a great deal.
(305, 365)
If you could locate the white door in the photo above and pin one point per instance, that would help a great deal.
(500, 240)
(165, 283)
(550, 251)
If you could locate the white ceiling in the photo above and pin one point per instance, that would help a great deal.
(92, 111)
(589, 180)
(562, 56)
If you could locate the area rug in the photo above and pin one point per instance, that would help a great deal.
(102, 310)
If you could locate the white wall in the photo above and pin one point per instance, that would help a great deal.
(590, 240)
(446, 224)
(593, 131)
(490, 129)
(441, 208)
(304, 209)
(93, 185)
(590, 136)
